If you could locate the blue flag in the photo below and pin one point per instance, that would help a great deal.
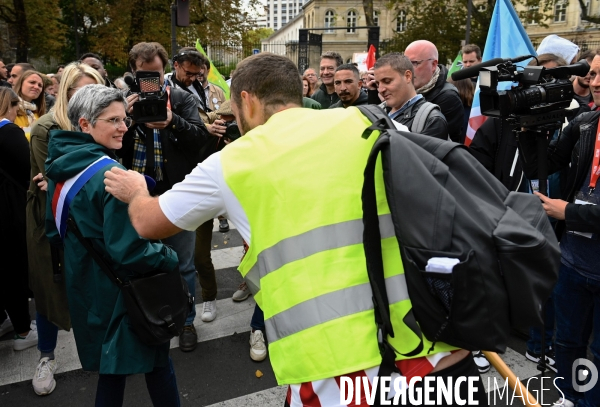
(506, 39)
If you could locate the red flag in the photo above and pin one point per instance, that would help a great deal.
(370, 61)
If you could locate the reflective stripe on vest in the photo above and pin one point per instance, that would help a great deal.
(299, 180)
(309, 243)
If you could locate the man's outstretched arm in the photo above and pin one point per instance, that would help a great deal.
(145, 213)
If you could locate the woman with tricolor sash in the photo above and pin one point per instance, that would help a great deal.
(75, 169)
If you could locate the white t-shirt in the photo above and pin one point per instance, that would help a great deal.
(204, 195)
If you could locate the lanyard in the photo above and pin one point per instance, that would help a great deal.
(596, 162)
(168, 90)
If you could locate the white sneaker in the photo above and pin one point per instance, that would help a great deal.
(6, 327)
(43, 380)
(30, 340)
(483, 365)
(563, 403)
(242, 293)
(209, 311)
(258, 349)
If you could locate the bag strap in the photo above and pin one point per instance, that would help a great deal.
(421, 117)
(373, 249)
(94, 253)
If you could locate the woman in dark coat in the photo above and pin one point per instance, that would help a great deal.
(14, 178)
(101, 325)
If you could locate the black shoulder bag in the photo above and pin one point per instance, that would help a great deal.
(157, 304)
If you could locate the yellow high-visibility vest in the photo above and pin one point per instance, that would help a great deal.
(299, 179)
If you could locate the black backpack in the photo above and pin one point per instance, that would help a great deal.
(444, 203)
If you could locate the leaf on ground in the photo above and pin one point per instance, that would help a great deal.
(259, 374)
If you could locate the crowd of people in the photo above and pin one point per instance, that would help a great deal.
(55, 127)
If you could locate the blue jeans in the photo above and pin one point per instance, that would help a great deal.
(184, 244)
(258, 319)
(47, 334)
(577, 300)
(534, 344)
(161, 384)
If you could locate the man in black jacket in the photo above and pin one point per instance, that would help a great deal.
(430, 81)
(167, 151)
(348, 86)
(577, 292)
(394, 82)
(326, 95)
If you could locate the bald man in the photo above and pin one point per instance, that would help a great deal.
(430, 81)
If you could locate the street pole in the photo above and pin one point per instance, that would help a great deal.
(174, 29)
(468, 30)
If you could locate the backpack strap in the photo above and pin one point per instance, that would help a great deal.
(65, 191)
(421, 117)
(381, 121)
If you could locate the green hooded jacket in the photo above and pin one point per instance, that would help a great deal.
(105, 343)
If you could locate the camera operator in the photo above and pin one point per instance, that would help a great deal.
(167, 151)
(577, 291)
(495, 146)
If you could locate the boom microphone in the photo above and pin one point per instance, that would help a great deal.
(474, 70)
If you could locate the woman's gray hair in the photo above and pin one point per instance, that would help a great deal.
(90, 101)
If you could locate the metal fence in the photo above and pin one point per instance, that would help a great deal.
(225, 56)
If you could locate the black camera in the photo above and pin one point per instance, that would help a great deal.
(232, 131)
(151, 106)
(542, 96)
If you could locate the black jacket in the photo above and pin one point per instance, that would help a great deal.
(574, 147)
(181, 141)
(435, 126)
(324, 98)
(445, 95)
(495, 147)
(362, 100)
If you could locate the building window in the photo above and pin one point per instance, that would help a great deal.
(351, 21)
(329, 21)
(532, 13)
(376, 18)
(560, 11)
(401, 21)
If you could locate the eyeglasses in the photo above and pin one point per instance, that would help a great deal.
(417, 63)
(117, 121)
(192, 74)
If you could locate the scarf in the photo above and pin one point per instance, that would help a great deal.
(27, 109)
(431, 84)
(139, 148)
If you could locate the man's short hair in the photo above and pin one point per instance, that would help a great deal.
(398, 62)
(272, 78)
(191, 55)
(545, 58)
(333, 55)
(90, 55)
(147, 51)
(469, 48)
(588, 55)
(349, 67)
(25, 66)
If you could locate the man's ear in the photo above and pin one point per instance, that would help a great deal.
(408, 76)
(248, 104)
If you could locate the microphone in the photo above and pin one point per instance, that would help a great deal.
(128, 78)
(474, 70)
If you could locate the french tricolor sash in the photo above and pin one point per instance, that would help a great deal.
(67, 190)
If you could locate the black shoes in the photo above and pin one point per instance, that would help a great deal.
(188, 340)
(223, 225)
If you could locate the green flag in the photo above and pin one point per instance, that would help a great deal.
(214, 76)
(456, 65)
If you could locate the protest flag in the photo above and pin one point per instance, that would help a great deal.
(456, 65)
(370, 61)
(506, 39)
(214, 76)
